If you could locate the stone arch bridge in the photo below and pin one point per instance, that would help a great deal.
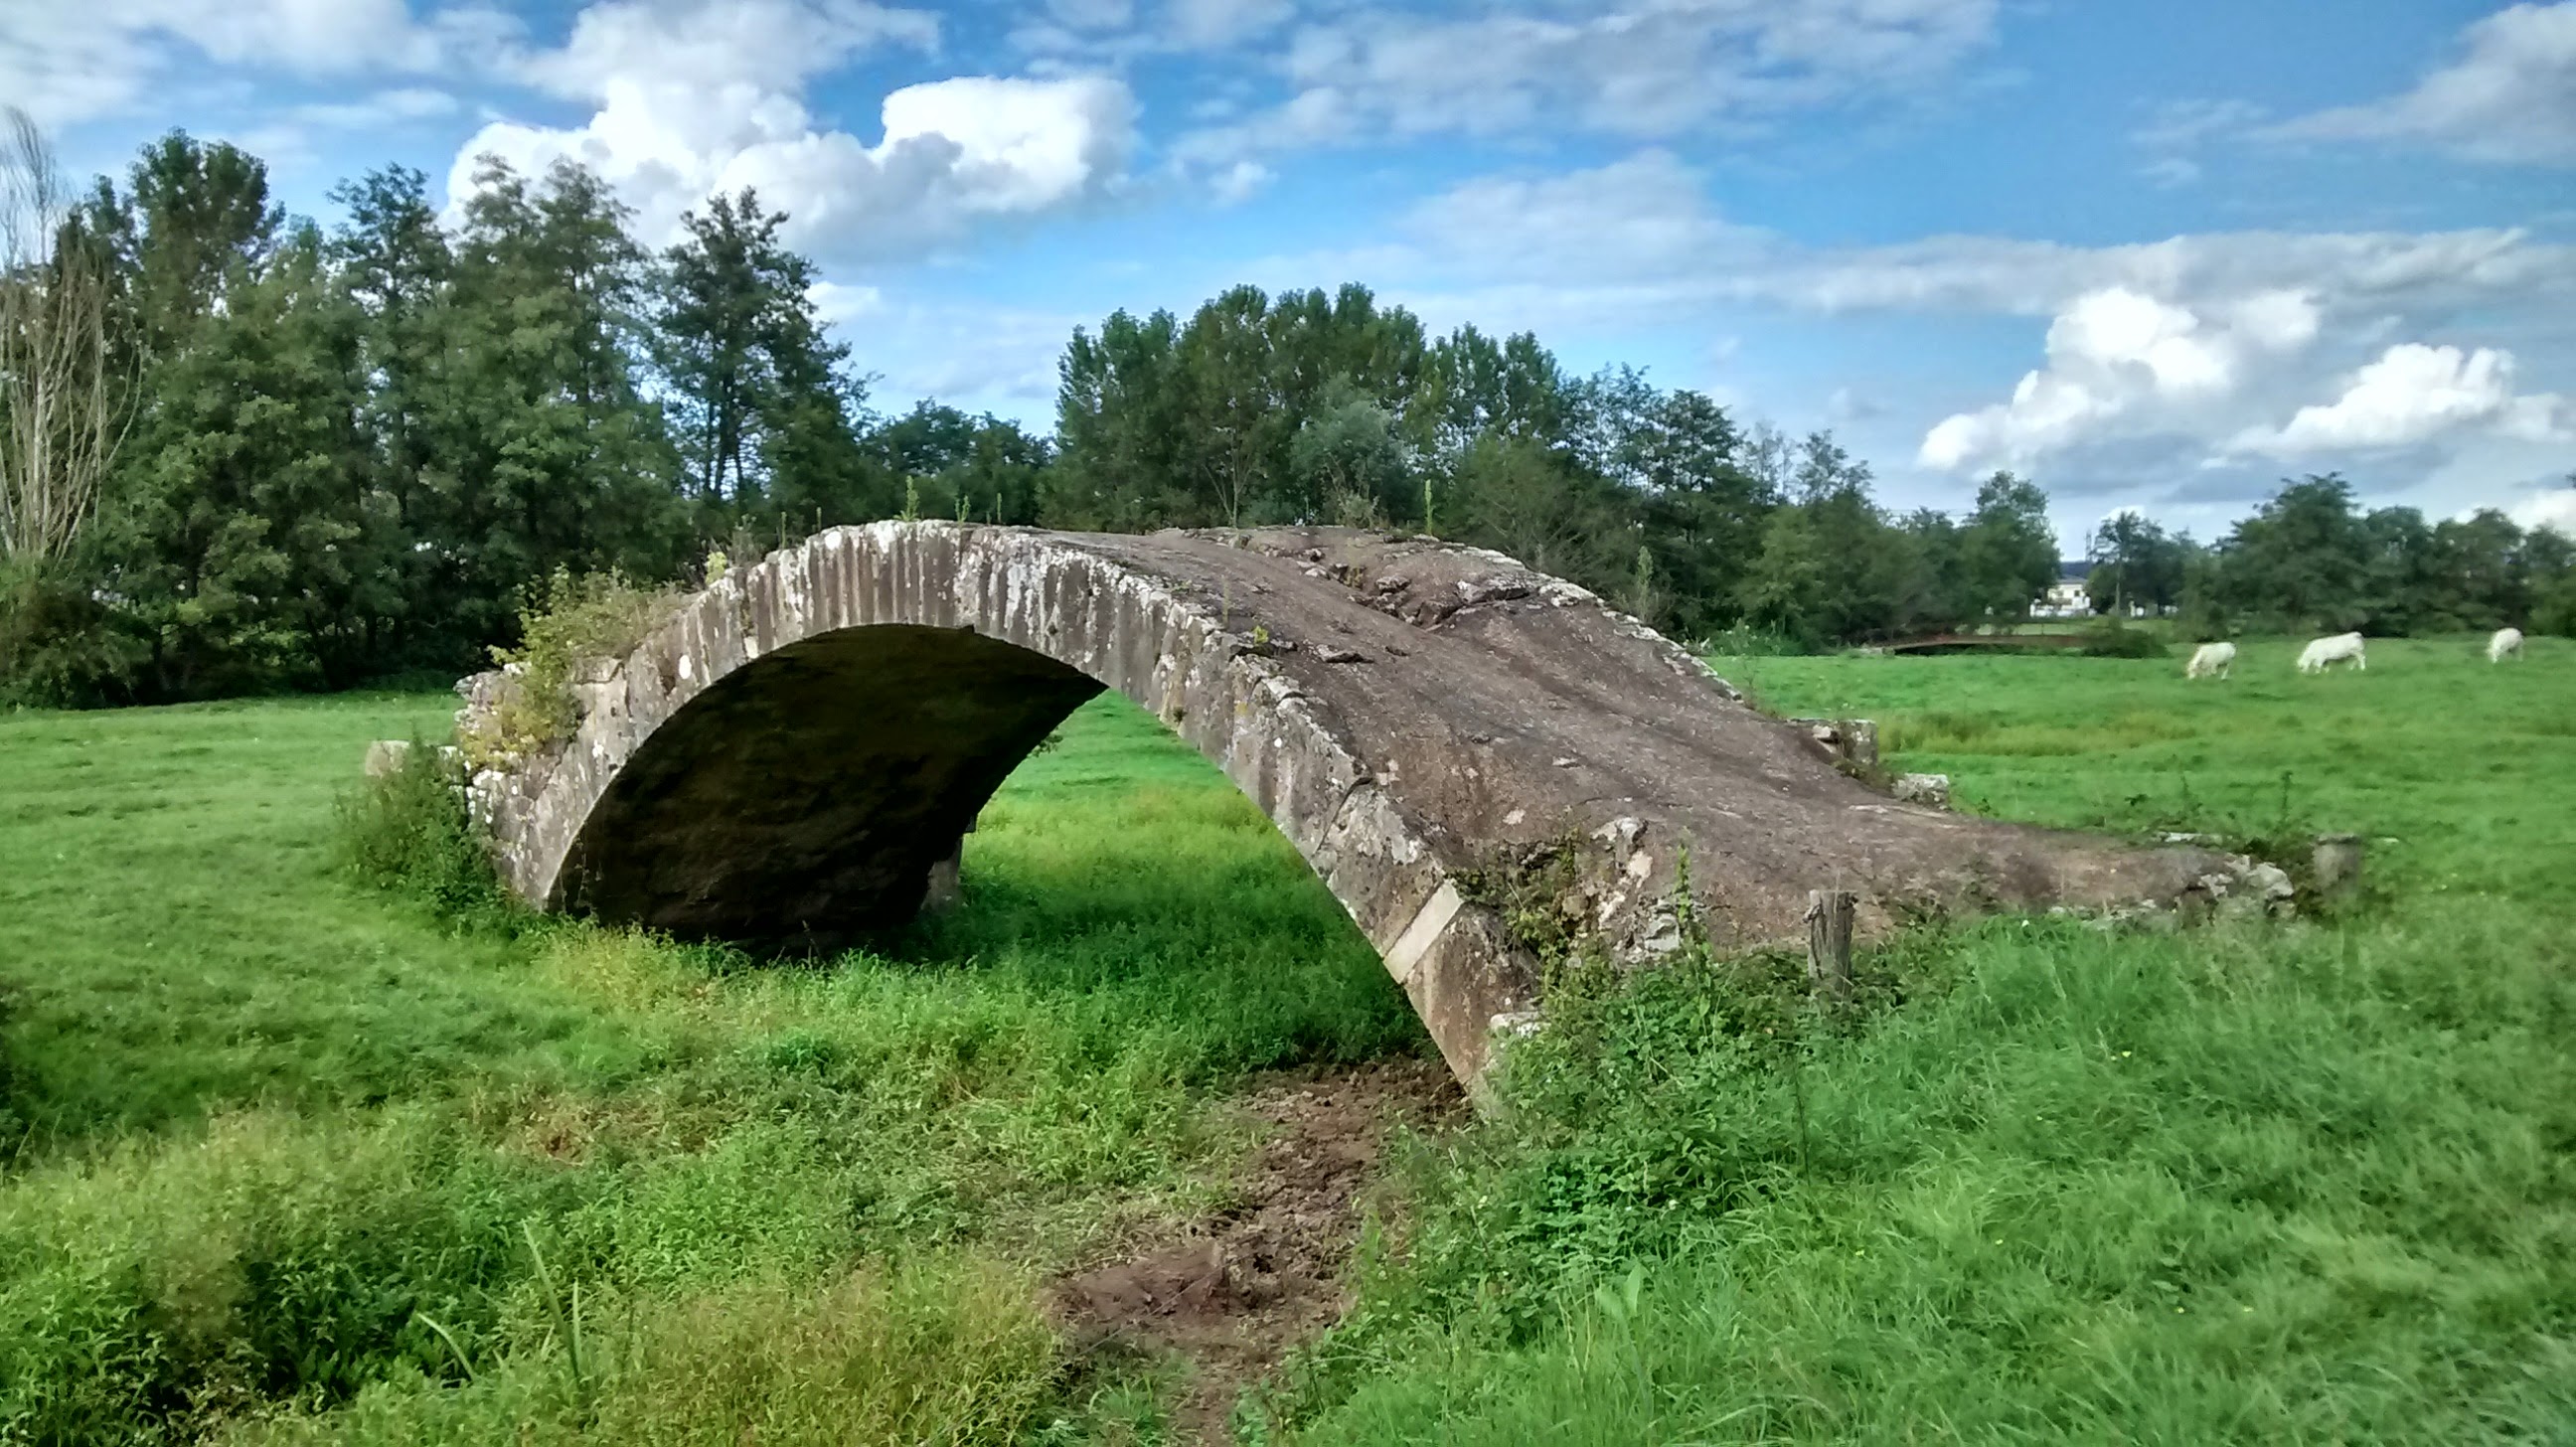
(794, 757)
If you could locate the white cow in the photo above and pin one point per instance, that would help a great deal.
(2211, 660)
(2325, 652)
(2507, 643)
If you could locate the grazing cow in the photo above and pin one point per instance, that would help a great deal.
(2317, 657)
(2211, 660)
(2507, 643)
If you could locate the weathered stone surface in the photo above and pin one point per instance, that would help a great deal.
(787, 760)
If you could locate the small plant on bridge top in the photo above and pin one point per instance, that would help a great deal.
(574, 620)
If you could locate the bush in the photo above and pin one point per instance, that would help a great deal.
(410, 831)
(58, 647)
(575, 619)
(2554, 611)
(1743, 640)
(2111, 638)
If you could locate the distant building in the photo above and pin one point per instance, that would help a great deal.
(2066, 598)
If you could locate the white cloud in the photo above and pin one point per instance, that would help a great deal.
(2180, 125)
(384, 108)
(2555, 509)
(2510, 95)
(2412, 394)
(68, 62)
(1241, 182)
(1634, 220)
(708, 46)
(1646, 68)
(2156, 355)
(1202, 24)
(2171, 171)
(837, 302)
(695, 97)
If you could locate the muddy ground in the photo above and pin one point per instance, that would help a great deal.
(1231, 1294)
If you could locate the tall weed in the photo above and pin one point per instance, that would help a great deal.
(409, 831)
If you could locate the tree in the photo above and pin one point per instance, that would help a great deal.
(395, 269)
(242, 534)
(1119, 427)
(2302, 560)
(762, 406)
(2136, 563)
(1238, 429)
(1701, 510)
(978, 469)
(61, 402)
(2007, 553)
(1525, 499)
(551, 456)
(1348, 463)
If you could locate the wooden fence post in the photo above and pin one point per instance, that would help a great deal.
(1829, 940)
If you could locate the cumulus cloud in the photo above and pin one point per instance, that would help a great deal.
(697, 97)
(2509, 95)
(2117, 354)
(2412, 394)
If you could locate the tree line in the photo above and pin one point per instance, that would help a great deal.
(2311, 559)
(248, 452)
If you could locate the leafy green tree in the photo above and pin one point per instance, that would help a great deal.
(394, 267)
(2302, 559)
(1348, 461)
(1701, 511)
(2006, 553)
(762, 409)
(1535, 503)
(979, 469)
(2136, 563)
(1831, 566)
(243, 538)
(2480, 562)
(552, 456)
(1119, 416)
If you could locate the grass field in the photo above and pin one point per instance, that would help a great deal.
(297, 1161)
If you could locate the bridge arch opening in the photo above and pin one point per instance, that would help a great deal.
(805, 799)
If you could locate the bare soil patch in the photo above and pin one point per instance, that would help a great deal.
(1233, 1292)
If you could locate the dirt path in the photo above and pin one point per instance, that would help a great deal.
(1236, 1290)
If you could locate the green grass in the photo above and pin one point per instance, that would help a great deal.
(300, 1161)
(2252, 1184)
(276, 1125)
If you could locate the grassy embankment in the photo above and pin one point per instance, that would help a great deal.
(288, 1142)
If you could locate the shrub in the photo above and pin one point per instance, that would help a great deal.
(1740, 640)
(2111, 638)
(58, 646)
(575, 619)
(410, 831)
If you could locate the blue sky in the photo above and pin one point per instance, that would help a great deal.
(2155, 256)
